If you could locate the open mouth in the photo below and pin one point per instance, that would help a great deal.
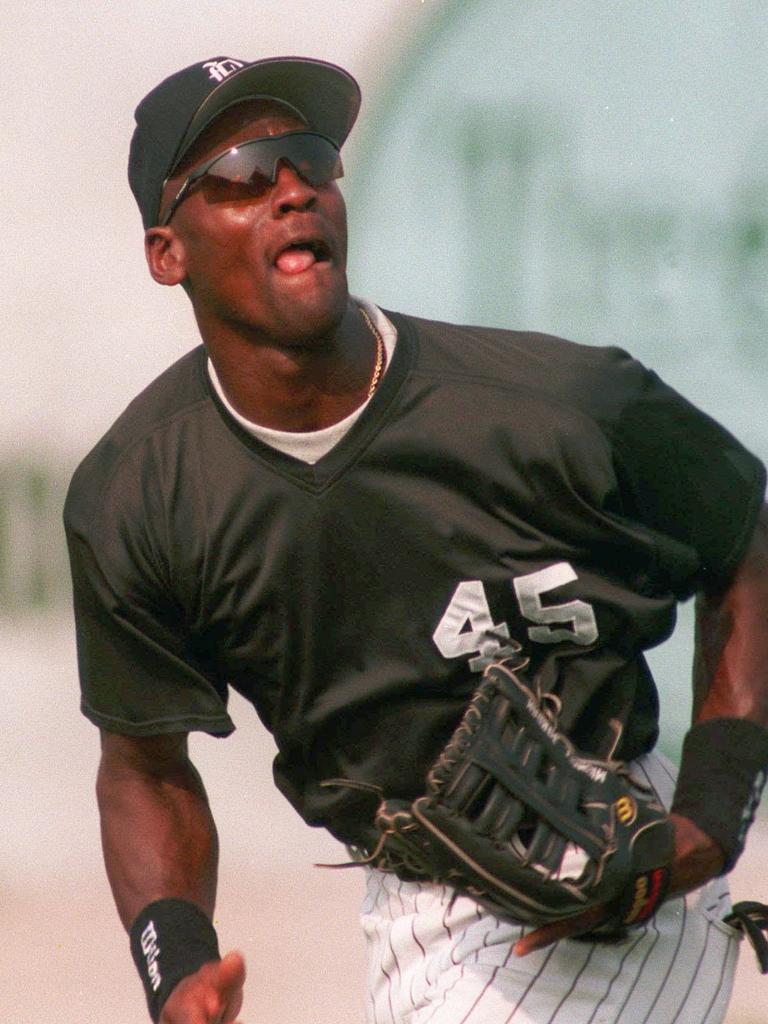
(300, 256)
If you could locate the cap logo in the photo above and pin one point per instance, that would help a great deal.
(221, 69)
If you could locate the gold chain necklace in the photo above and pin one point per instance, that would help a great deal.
(379, 353)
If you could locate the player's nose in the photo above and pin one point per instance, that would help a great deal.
(290, 191)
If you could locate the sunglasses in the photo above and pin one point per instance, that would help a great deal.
(250, 169)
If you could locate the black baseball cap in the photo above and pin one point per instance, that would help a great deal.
(174, 113)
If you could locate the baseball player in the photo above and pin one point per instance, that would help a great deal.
(348, 515)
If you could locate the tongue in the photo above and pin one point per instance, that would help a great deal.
(294, 261)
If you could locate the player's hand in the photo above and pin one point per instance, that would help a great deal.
(212, 995)
(697, 860)
(567, 929)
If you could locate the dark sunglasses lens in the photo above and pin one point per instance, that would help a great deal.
(313, 157)
(236, 171)
(255, 163)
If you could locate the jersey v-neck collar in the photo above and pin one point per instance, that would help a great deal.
(328, 467)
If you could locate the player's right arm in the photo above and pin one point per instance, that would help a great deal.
(160, 842)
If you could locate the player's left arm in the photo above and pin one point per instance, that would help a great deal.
(730, 680)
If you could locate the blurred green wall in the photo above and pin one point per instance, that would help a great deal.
(591, 169)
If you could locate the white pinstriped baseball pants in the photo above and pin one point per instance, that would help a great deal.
(437, 961)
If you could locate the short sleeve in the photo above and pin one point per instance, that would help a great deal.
(684, 476)
(138, 673)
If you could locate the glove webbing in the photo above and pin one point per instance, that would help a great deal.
(519, 757)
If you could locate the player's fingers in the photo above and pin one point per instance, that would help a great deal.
(231, 1008)
(549, 933)
(224, 1017)
(231, 971)
(197, 1007)
(228, 980)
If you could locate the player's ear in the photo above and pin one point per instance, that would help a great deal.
(165, 255)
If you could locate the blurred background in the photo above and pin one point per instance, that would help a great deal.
(591, 168)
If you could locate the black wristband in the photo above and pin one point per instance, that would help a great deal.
(722, 775)
(169, 940)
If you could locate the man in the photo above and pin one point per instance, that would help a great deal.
(347, 515)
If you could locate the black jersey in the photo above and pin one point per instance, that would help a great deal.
(500, 487)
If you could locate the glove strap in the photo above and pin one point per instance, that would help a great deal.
(169, 940)
(648, 890)
(722, 775)
(752, 919)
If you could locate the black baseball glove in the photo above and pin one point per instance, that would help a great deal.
(514, 816)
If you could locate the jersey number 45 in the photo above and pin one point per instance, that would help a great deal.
(467, 626)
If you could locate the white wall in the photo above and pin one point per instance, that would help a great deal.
(82, 329)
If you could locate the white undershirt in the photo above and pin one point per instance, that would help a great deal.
(309, 446)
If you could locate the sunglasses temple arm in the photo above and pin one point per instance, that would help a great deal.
(174, 203)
